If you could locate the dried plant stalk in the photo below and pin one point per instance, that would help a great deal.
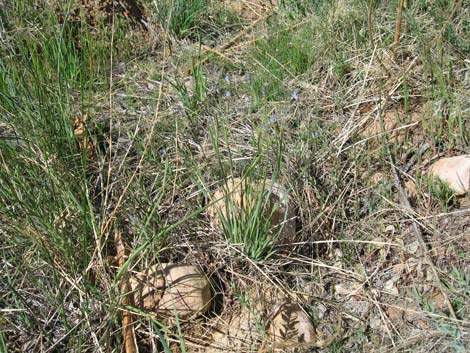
(456, 7)
(396, 38)
(369, 22)
(128, 333)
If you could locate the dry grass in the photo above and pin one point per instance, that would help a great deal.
(376, 269)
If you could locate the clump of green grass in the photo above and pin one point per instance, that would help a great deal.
(455, 336)
(44, 204)
(298, 7)
(180, 16)
(288, 50)
(247, 221)
(195, 19)
(249, 203)
(193, 101)
(440, 190)
(280, 56)
(41, 157)
(459, 283)
(48, 208)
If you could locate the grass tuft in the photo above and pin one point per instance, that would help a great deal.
(247, 219)
(180, 16)
(105, 123)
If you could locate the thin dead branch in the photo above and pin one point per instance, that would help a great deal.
(396, 38)
(369, 22)
(128, 333)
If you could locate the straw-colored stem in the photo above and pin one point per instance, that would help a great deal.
(128, 335)
(396, 38)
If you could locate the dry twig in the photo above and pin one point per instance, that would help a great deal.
(396, 38)
(128, 333)
(369, 22)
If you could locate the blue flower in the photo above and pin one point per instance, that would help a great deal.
(227, 77)
(133, 219)
(315, 134)
(228, 94)
(295, 94)
(273, 119)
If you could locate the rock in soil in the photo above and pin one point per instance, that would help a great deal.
(281, 324)
(170, 290)
(241, 194)
(455, 171)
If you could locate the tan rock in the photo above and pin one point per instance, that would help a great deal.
(395, 124)
(240, 194)
(465, 203)
(187, 293)
(455, 171)
(291, 327)
(243, 332)
(147, 289)
(170, 290)
(270, 320)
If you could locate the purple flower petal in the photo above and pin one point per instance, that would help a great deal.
(295, 95)
(315, 134)
(227, 77)
(228, 94)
